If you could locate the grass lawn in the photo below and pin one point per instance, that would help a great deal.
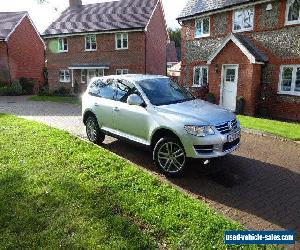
(283, 129)
(59, 191)
(60, 99)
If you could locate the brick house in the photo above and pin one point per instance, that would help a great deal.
(244, 48)
(22, 50)
(108, 38)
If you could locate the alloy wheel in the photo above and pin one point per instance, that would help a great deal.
(171, 157)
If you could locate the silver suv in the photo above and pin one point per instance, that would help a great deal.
(156, 112)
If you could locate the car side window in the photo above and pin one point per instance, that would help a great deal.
(123, 90)
(104, 89)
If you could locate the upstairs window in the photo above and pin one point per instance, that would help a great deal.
(90, 43)
(122, 41)
(243, 20)
(290, 80)
(202, 27)
(122, 71)
(200, 76)
(62, 44)
(293, 12)
(64, 76)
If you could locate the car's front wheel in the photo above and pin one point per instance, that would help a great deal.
(93, 131)
(169, 156)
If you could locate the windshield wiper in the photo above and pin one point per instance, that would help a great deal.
(177, 101)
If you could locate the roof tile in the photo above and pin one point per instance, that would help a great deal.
(105, 16)
(194, 7)
(8, 21)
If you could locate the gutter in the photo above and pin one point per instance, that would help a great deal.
(92, 32)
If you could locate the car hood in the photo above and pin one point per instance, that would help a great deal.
(198, 111)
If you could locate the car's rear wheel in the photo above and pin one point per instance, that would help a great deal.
(169, 157)
(93, 131)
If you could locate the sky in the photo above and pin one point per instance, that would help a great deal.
(43, 15)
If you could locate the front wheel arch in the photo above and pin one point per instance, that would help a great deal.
(162, 133)
(87, 114)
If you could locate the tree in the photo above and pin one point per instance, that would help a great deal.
(46, 2)
(175, 35)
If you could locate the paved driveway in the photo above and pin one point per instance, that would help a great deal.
(259, 185)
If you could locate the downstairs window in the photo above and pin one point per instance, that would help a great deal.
(200, 76)
(290, 80)
(64, 76)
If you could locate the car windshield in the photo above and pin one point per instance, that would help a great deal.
(163, 91)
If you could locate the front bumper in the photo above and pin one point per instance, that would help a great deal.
(212, 146)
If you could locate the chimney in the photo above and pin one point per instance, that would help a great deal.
(75, 3)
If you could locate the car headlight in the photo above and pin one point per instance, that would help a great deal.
(200, 131)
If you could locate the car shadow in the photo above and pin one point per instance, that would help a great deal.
(255, 190)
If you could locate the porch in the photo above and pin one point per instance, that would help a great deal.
(82, 74)
(235, 70)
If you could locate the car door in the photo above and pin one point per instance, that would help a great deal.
(103, 92)
(133, 121)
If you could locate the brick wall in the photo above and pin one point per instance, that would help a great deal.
(4, 71)
(279, 42)
(156, 35)
(26, 53)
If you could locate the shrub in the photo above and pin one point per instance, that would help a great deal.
(16, 88)
(3, 91)
(210, 97)
(27, 85)
(2, 84)
(240, 105)
(62, 91)
(44, 91)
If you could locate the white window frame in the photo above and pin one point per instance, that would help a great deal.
(201, 20)
(287, 22)
(122, 41)
(122, 71)
(243, 29)
(62, 39)
(86, 39)
(200, 85)
(293, 85)
(65, 80)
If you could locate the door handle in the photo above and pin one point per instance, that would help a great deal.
(116, 109)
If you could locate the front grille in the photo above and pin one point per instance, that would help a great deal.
(204, 149)
(229, 145)
(227, 127)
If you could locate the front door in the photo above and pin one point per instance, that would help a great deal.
(229, 87)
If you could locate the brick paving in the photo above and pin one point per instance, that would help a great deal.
(259, 185)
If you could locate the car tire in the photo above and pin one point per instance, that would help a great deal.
(93, 131)
(169, 156)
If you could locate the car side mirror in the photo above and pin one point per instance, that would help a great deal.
(135, 100)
